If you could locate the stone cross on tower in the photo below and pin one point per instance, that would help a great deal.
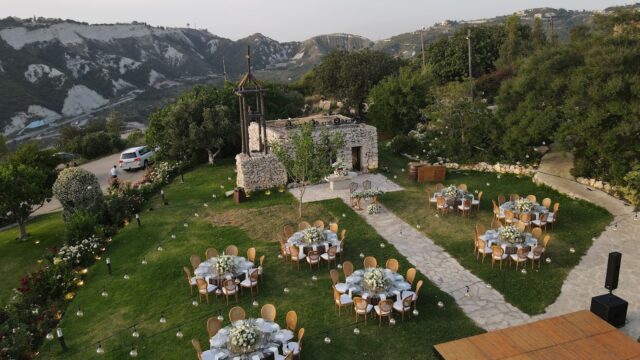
(250, 91)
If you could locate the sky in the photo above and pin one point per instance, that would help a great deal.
(286, 20)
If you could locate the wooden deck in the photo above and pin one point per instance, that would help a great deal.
(579, 335)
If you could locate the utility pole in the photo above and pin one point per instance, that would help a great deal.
(470, 69)
(424, 61)
(224, 69)
(553, 33)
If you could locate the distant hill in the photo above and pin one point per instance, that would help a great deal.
(53, 68)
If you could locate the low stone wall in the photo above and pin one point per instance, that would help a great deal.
(259, 172)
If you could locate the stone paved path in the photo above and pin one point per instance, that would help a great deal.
(623, 234)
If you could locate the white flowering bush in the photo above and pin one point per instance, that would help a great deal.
(450, 191)
(243, 336)
(524, 205)
(373, 209)
(78, 189)
(510, 234)
(340, 168)
(224, 264)
(375, 278)
(163, 171)
(78, 254)
(312, 235)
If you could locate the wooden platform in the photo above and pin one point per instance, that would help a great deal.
(579, 335)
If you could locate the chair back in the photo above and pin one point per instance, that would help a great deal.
(523, 252)
(406, 302)
(319, 224)
(429, 197)
(526, 217)
(197, 346)
(440, 201)
(300, 336)
(537, 251)
(546, 202)
(288, 231)
(229, 285)
(370, 262)
(303, 225)
(439, 187)
(335, 276)
(187, 274)
(501, 200)
(261, 261)
(347, 268)
(411, 276)
(463, 187)
(508, 214)
(251, 254)
(313, 256)
(466, 204)
(546, 240)
(353, 187)
(495, 224)
(360, 304)
(536, 233)
(202, 285)
(497, 251)
(195, 261)
(331, 252)
(482, 244)
(334, 228)
(210, 253)
(556, 207)
(392, 264)
(213, 326)
(418, 287)
(480, 229)
(237, 313)
(231, 250)
(283, 249)
(543, 218)
(532, 198)
(480, 195)
(253, 275)
(366, 185)
(343, 234)
(336, 295)
(514, 197)
(295, 252)
(292, 320)
(268, 312)
(521, 226)
(386, 307)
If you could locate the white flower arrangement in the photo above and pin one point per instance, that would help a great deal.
(243, 336)
(373, 209)
(450, 191)
(224, 264)
(510, 233)
(375, 278)
(340, 168)
(368, 194)
(312, 235)
(524, 205)
(74, 254)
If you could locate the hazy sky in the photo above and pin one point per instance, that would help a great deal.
(285, 20)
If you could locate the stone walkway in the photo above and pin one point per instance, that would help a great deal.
(587, 278)
(322, 191)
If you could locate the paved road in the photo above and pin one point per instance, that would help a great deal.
(100, 168)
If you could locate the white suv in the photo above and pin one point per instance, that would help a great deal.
(136, 158)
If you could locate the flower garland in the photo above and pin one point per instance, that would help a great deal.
(243, 336)
(312, 235)
(224, 264)
(375, 278)
(510, 233)
(524, 205)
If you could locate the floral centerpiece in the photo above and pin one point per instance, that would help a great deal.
(224, 264)
(243, 337)
(312, 235)
(523, 205)
(340, 168)
(510, 234)
(375, 279)
(373, 209)
(450, 191)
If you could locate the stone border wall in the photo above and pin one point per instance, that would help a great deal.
(259, 172)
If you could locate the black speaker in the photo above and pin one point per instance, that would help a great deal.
(613, 271)
(610, 308)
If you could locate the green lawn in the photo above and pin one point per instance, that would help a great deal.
(20, 257)
(579, 222)
(160, 287)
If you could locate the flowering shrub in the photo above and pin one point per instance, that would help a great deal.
(79, 254)
(312, 235)
(162, 172)
(77, 189)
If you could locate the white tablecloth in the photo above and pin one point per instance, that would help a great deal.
(491, 237)
(331, 239)
(536, 211)
(207, 269)
(397, 284)
(272, 335)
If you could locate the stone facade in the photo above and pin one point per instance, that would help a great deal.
(259, 172)
(360, 140)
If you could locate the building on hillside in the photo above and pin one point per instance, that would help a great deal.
(360, 148)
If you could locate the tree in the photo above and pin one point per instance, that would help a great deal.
(538, 37)
(349, 76)
(115, 124)
(395, 103)
(3, 147)
(78, 190)
(26, 177)
(516, 42)
(448, 58)
(307, 158)
(212, 132)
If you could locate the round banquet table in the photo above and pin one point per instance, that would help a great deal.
(491, 237)
(272, 340)
(207, 270)
(331, 239)
(535, 211)
(397, 284)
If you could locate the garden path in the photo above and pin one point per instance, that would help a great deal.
(587, 278)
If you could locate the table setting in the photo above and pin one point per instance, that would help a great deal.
(250, 339)
(454, 195)
(224, 267)
(524, 206)
(376, 284)
(313, 238)
(509, 236)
